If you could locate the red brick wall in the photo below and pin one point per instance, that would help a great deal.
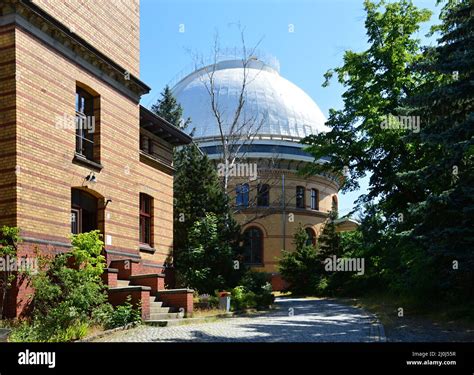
(19, 296)
(137, 297)
(178, 299)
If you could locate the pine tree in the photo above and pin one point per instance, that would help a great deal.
(445, 215)
(330, 239)
(301, 268)
(168, 108)
(198, 193)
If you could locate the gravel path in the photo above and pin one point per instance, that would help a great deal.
(294, 320)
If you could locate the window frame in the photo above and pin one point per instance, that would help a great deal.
(300, 197)
(311, 237)
(146, 220)
(85, 140)
(242, 195)
(263, 195)
(315, 199)
(261, 248)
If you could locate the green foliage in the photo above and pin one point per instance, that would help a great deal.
(207, 264)
(168, 108)
(123, 315)
(302, 268)
(203, 221)
(242, 298)
(329, 240)
(9, 239)
(422, 181)
(68, 289)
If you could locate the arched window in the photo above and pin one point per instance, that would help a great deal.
(300, 195)
(314, 199)
(242, 195)
(311, 237)
(334, 202)
(253, 246)
(263, 195)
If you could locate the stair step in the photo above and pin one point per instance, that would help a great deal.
(160, 310)
(164, 316)
(156, 304)
(122, 283)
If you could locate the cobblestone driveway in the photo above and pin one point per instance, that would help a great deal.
(295, 320)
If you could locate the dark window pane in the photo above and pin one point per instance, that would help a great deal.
(300, 191)
(253, 246)
(263, 197)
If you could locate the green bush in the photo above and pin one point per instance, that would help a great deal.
(122, 315)
(68, 290)
(302, 268)
(242, 298)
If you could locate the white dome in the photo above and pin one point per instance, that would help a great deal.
(282, 108)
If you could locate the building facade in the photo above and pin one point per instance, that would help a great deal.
(77, 151)
(272, 201)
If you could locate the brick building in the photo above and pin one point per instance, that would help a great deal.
(77, 151)
(274, 199)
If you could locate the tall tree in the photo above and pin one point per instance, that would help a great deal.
(330, 239)
(197, 193)
(168, 108)
(444, 217)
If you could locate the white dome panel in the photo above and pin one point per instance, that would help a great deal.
(285, 109)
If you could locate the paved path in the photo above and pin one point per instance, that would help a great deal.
(294, 320)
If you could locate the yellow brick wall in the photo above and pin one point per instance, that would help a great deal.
(7, 126)
(46, 92)
(271, 223)
(111, 26)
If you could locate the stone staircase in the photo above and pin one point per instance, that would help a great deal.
(126, 278)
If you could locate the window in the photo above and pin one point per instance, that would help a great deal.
(263, 195)
(242, 195)
(84, 212)
(253, 246)
(146, 144)
(300, 201)
(314, 199)
(311, 240)
(76, 221)
(146, 207)
(85, 124)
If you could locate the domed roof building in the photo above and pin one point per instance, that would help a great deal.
(275, 115)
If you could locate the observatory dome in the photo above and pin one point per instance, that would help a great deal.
(276, 107)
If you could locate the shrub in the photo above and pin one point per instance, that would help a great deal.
(123, 315)
(9, 239)
(242, 298)
(301, 268)
(68, 290)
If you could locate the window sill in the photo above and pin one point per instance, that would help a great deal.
(147, 248)
(254, 264)
(79, 159)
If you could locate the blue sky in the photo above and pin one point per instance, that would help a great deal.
(322, 31)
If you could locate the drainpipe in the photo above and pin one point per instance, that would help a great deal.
(283, 211)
